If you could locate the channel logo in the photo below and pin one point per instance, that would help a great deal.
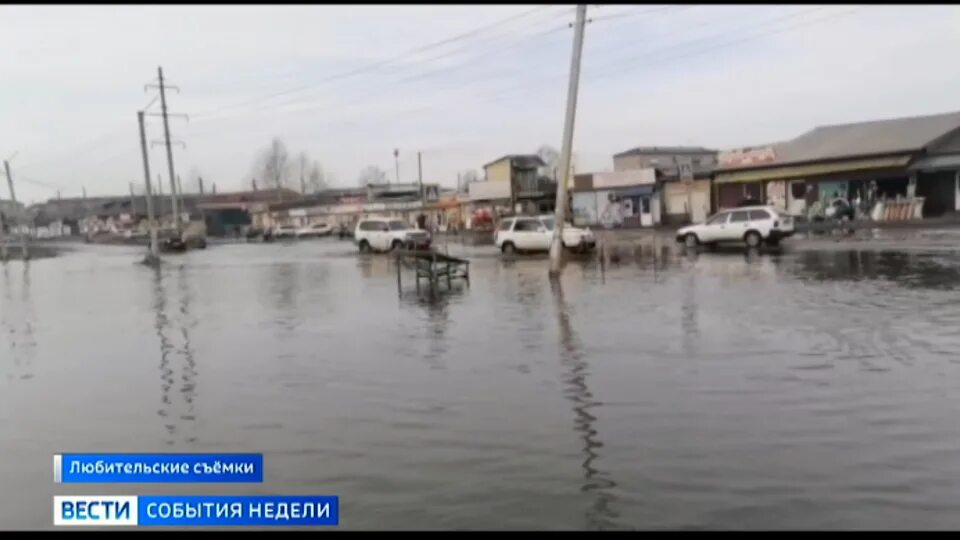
(94, 510)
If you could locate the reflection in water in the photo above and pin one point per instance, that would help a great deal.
(920, 270)
(175, 422)
(436, 303)
(19, 330)
(596, 482)
(688, 320)
(188, 378)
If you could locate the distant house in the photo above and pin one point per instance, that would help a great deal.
(907, 158)
(529, 192)
(683, 174)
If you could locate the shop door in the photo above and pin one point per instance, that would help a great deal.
(646, 217)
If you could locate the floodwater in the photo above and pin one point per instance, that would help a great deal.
(811, 389)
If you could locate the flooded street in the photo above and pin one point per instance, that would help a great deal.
(815, 388)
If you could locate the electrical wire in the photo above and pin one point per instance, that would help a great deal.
(379, 63)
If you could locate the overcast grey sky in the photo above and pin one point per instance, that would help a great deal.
(71, 81)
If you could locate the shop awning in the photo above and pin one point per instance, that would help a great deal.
(813, 169)
(937, 163)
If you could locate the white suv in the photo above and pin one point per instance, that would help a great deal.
(381, 234)
(752, 225)
(535, 234)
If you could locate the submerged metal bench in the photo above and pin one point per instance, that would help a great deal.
(432, 266)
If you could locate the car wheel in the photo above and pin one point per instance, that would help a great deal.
(396, 245)
(508, 248)
(691, 240)
(364, 246)
(752, 239)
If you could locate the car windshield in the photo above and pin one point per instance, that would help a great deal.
(398, 226)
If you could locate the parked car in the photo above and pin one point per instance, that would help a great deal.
(751, 225)
(535, 234)
(381, 234)
(315, 230)
(284, 231)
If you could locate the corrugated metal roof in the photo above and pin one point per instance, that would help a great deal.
(816, 169)
(934, 163)
(877, 137)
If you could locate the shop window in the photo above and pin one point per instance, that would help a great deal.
(798, 190)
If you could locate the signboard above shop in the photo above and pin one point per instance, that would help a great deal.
(635, 177)
(746, 157)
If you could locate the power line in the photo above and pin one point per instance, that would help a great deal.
(685, 44)
(379, 63)
(300, 99)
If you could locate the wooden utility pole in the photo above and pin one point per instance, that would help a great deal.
(560, 215)
(200, 181)
(19, 221)
(154, 256)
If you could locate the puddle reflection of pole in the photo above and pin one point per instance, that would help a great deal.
(596, 482)
(166, 374)
(188, 389)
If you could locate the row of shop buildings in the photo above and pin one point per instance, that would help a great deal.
(901, 168)
(894, 169)
(886, 169)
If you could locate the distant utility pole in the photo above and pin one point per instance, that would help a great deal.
(151, 223)
(58, 194)
(213, 188)
(133, 200)
(254, 182)
(84, 193)
(396, 163)
(560, 216)
(200, 181)
(420, 176)
(19, 220)
(303, 184)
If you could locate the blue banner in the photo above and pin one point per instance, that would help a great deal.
(236, 510)
(157, 468)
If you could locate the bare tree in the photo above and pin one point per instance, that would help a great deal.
(316, 180)
(273, 165)
(371, 174)
(302, 161)
(551, 158)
